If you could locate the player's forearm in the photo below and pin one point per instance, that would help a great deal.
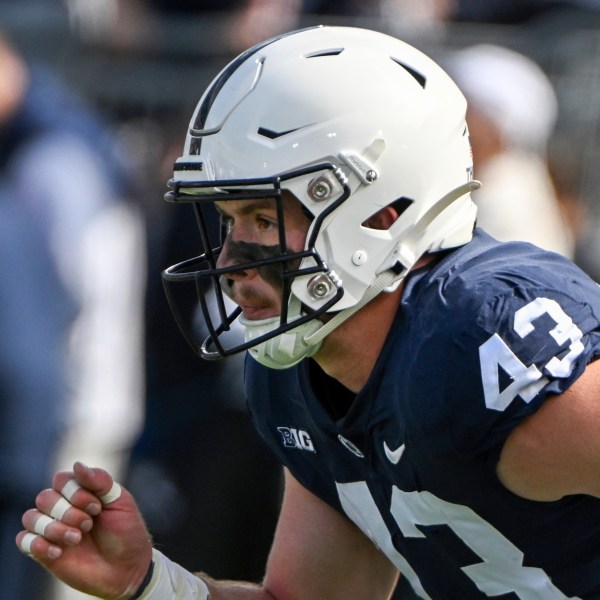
(235, 590)
(167, 580)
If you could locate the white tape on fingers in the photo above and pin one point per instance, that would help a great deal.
(60, 508)
(113, 494)
(26, 542)
(42, 523)
(68, 490)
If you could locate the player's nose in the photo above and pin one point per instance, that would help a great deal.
(230, 258)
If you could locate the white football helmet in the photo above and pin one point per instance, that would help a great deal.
(349, 121)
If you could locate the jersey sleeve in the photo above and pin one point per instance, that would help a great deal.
(526, 343)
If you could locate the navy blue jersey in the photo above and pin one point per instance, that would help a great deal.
(481, 339)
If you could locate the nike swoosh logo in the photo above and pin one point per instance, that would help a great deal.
(394, 456)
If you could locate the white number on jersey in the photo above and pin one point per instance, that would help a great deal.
(527, 381)
(501, 569)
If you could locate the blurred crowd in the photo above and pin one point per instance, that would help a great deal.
(92, 366)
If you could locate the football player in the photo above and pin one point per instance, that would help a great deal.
(433, 394)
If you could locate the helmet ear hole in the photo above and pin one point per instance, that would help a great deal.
(402, 204)
(385, 217)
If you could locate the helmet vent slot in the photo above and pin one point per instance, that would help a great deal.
(383, 219)
(401, 204)
(328, 52)
(418, 77)
(273, 135)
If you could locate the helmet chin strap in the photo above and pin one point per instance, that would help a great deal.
(383, 281)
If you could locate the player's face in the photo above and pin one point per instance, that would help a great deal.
(253, 234)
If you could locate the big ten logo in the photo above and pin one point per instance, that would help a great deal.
(296, 438)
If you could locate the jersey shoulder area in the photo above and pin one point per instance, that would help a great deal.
(493, 329)
(489, 280)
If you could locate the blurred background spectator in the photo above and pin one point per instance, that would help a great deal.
(68, 196)
(35, 312)
(512, 111)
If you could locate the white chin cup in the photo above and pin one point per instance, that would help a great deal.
(284, 350)
(287, 349)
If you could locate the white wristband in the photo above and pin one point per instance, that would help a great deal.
(171, 581)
